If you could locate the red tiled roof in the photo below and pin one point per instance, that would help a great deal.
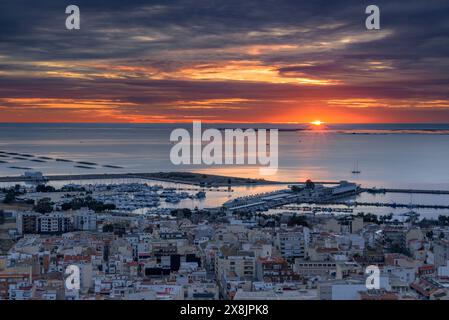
(426, 267)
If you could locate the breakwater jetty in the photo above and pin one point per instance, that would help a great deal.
(391, 190)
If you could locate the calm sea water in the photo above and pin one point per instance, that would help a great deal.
(412, 155)
(386, 154)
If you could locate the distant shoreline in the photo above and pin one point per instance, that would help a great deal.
(190, 178)
(174, 177)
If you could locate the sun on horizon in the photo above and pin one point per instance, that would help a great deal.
(317, 122)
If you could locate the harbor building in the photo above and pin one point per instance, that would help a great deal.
(308, 192)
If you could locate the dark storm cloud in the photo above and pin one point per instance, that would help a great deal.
(36, 29)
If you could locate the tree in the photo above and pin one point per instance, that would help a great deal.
(297, 220)
(11, 194)
(385, 218)
(397, 248)
(44, 188)
(10, 197)
(108, 228)
(443, 220)
(44, 205)
(368, 217)
(88, 202)
(2, 217)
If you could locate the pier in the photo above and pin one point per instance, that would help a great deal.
(371, 204)
(389, 190)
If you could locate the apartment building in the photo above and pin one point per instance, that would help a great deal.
(441, 252)
(290, 244)
(31, 223)
(322, 269)
(275, 270)
(242, 264)
(85, 220)
(54, 223)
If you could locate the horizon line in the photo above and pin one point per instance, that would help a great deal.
(224, 122)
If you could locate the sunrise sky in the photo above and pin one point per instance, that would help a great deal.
(224, 61)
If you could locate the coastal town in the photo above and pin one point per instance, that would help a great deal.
(136, 241)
